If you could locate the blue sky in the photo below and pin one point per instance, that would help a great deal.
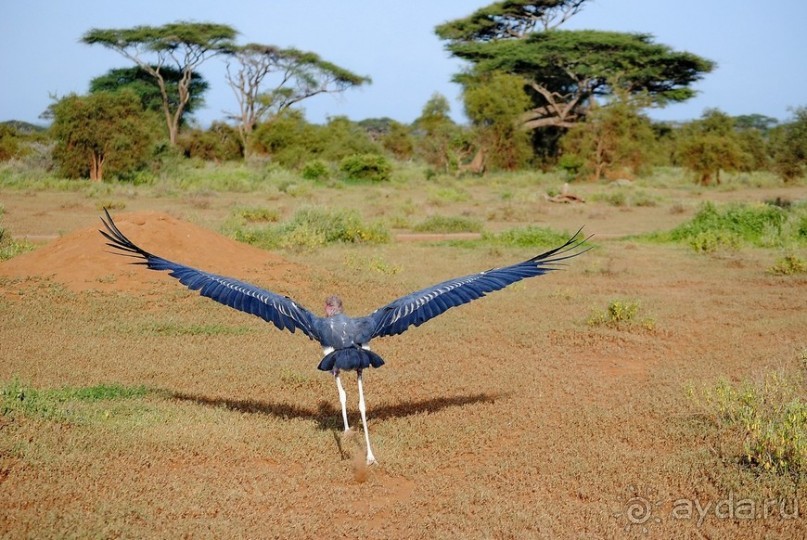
(759, 47)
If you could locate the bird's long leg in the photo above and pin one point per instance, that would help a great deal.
(342, 398)
(363, 411)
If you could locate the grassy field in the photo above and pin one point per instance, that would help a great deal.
(652, 389)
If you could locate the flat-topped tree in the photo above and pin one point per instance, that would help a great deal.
(563, 70)
(183, 46)
(512, 19)
(267, 80)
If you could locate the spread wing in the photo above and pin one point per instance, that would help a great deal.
(419, 307)
(282, 311)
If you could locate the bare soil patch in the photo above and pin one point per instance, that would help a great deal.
(81, 260)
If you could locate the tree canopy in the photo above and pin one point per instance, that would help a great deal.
(268, 80)
(181, 45)
(509, 19)
(105, 132)
(565, 73)
(145, 85)
(565, 69)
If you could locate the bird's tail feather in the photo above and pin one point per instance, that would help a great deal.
(351, 358)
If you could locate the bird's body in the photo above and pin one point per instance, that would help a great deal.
(345, 340)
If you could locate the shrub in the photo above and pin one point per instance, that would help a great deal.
(766, 422)
(258, 214)
(619, 313)
(789, 265)
(9, 247)
(372, 167)
(316, 170)
(316, 227)
(733, 225)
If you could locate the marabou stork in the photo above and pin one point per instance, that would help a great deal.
(345, 340)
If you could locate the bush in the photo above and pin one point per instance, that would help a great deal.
(219, 143)
(789, 265)
(766, 422)
(258, 214)
(620, 313)
(316, 227)
(9, 247)
(761, 225)
(316, 170)
(372, 167)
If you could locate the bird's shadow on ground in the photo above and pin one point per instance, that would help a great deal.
(328, 416)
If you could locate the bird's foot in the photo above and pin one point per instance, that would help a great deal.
(371, 460)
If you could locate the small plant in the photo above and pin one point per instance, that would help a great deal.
(789, 265)
(372, 167)
(619, 314)
(258, 214)
(11, 248)
(766, 422)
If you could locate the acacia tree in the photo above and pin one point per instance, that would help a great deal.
(183, 46)
(510, 19)
(267, 80)
(566, 71)
(105, 132)
(145, 85)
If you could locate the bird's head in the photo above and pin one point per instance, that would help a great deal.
(333, 306)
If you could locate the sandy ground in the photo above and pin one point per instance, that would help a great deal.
(511, 417)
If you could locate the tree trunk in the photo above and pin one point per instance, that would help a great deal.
(476, 166)
(96, 167)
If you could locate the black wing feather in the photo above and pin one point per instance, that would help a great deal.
(281, 311)
(416, 308)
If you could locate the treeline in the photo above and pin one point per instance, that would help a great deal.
(615, 141)
(536, 96)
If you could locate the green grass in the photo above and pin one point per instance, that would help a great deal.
(60, 403)
(11, 248)
(530, 236)
(448, 224)
(314, 227)
(732, 226)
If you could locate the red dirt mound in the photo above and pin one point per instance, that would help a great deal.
(81, 260)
